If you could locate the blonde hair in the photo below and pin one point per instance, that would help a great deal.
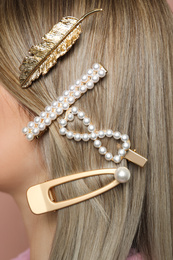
(134, 41)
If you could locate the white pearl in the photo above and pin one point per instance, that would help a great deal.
(65, 105)
(93, 136)
(95, 78)
(43, 114)
(71, 100)
(35, 131)
(96, 66)
(30, 137)
(74, 110)
(101, 134)
(101, 73)
(81, 115)
(69, 135)
(124, 138)
(66, 93)
(77, 137)
(84, 78)
(90, 72)
(72, 88)
(62, 131)
(90, 84)
(97, 143)
(83, 89)
(86, 121)
(54, 104)
(63, 122)
(25, 130)
(78, 82)
(77, 94)
(70, 117)
(41, 126)
(61, 99)
(122, 174)
(117, 135)
(48, 109)
(117, 158)
(52, 116)
(91, 128)
(108, 156)
(126, 145)
(31, 124)
(121, 152)
(109, 133)
(59, 110)
(102, 150)
(47, 121)
(37, 119)
(85, 137)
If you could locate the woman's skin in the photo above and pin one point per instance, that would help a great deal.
(21, 166)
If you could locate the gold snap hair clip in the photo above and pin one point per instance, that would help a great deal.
(39, 125)
(55, 44)
(95, 135)
(41, 198)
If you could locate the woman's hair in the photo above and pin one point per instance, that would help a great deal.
(134, 41)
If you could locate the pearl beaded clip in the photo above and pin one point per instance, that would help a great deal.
(87, 81)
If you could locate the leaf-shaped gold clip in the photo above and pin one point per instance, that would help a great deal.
(55, 44)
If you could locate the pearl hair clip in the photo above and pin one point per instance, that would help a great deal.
(37, 127)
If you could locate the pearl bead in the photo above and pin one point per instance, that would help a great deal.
(35, 131)
(66, 93)
(31, 124)
(70, 117)
(78, 82)
(124, 138)
(90, 72)
(117, 135)
(90, 84)
(84, 78)
(59, 110)
(121, 152)
(63, 122)
(93, 136)
(122, 174)
(69, 135)
(81, 115)
(109, 133)
(77, 137)
(101, 134)
(41, 126)
(86, 121)
(91, 128)
(25, 130)
(96, 66)
(54, 104)
(97, 143)
(48, 109)
(117, 158)
(72, 88)
(95, 78)
(77, 94)
(43, 114)
(52, 116)
(71, 100)
(62, 131)
(126, 145)
(74, 110)
(85, 137)
(47, 121)
(83, 89)
(108, 156)
(30, 137)
(61, 99)
(37, 119)
(101, 73)
(102, 150)
(65, 105)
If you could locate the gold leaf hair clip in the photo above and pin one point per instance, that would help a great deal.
(56, 43)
